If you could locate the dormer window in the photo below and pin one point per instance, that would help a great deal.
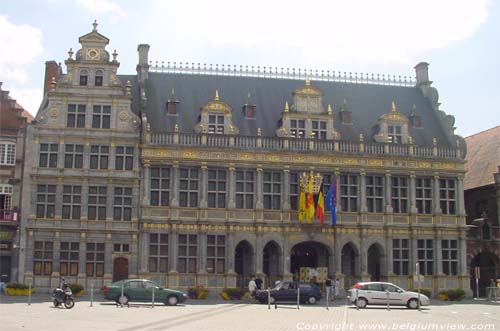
(249, 110)
(319, 129)
(216, 124)
(98, 78)
(297, 128)
(84, 74)
(394, 134)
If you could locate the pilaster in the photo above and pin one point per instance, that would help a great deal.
(175, 185)
(231, 204)
(259, 196)
(413, 194)
(203, 185)
(285, 197)
(363, 207)
(388, 193)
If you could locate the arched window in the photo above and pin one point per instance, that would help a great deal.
(98, 78)
(84, 74)
(7, 153)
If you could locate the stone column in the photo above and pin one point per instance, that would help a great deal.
(108, 259)
(287, 275)
(56, 257)
(363, 256)
(146, 182)
(438, 261)
(203, 185)
(259, 187)
(460, 197)
(337, 190)
(413, 251)
(28, 242)
(413, 195)
(338, 254)
(231, 189)
(173, 248)
(230, 247)
(285, 197)
(84, 216)
(144, 249)
(59, 199)
(174, 184)
(437, 206)
(202, 252)
(463, 254)
(363, 207)
(109, 201)
(60, 154)
(82, 268)
(134, 257)
(111, 156)
(388, 195)
(135, 202)
(389, 255)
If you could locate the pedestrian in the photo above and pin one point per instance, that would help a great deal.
(258, 282)
(252, 287)
(337, 288)
(329, 286)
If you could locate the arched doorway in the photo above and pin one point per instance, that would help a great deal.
(348, 260)
(243, 263)
(272, 265)
(489, 269)
(120, 269)
(309, 254)
(374, 262)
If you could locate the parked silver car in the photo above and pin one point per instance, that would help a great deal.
(379, 293)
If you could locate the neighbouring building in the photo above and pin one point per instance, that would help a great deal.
(189, 174)
(482, 203)
(13, 121)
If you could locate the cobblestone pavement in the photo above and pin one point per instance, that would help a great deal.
(15, 315)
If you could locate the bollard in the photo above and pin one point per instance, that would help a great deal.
(153, 298)
(298, 296)
(357, 302)
(268, 298)
(29, 295)
(91, 294)
(327, 295)
(388, 306)
(121, 297)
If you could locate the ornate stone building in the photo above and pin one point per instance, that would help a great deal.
(189, 175)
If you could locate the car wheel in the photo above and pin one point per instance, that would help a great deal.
(312, 300)
(412, 304)
(272, 300)
(122, 299)
(172, 300)
(361, 302)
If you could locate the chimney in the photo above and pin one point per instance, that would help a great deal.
(51, 70)
(422, 73)
(143, 50)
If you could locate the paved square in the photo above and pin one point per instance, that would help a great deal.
(42, 316)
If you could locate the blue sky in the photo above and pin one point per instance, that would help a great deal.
(459, 38)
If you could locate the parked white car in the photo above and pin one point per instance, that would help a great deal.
(378, 293)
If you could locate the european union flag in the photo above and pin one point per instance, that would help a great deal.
(330, 202)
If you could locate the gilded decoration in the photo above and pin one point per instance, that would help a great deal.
(54, 112)
(123, 116)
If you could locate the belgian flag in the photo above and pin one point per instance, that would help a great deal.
(320, 208)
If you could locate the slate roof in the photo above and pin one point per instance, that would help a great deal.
(367, 103)
(483, 158)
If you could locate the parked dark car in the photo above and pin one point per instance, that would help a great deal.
(287, 292)
(142, 290)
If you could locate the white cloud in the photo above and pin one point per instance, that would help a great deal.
(101, 7)
(317, 32)
(21, 45)
(29, 99)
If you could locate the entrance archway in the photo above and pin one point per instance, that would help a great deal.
(349, 259)
(374, 262)
(309, 254)
(120, 269)
(243, 263)
(271, 260)
(489, 269)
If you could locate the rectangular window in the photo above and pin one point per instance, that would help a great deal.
(319, 129)
(7, 154)
(216, 124)
(216, 254)
(297, 128)
(447, 196)
(72, 199)
(42, 258)
(423, 188)
(124, 157)
(95, 260)
(76, 116)
(394, 134)
(160, 186)
(73, 156)
(97, 203)
(450, 256)
(349, 192)
(46, 201)
(188, 187)
(400, 256)
(294, 190)
(327, 182)
(158, 252)
(217, 188)
(272, 190)
(245, 194)
(101, 117)
(69, 258)
(426, 256)
(99, 156)
(122, 209)
(375, 193)
(188, 253)
(121, 248)
(399, 194)
(48, 155)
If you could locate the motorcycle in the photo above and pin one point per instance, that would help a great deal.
(63, 295)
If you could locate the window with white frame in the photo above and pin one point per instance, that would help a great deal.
(426, 256)
(394, 134)
(349, 192)
(216, 124)
(6, 191)
(447, 196)
(319, 129)
(423, 186)
(375, 193)
(399, 194)
(7, 153)
(297, 128)
(216, 188)
(245, 194)
(400, 256)
(449, 251)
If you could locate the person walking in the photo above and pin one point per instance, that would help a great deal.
(252, 287)
(337, 288)
(258, 282)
